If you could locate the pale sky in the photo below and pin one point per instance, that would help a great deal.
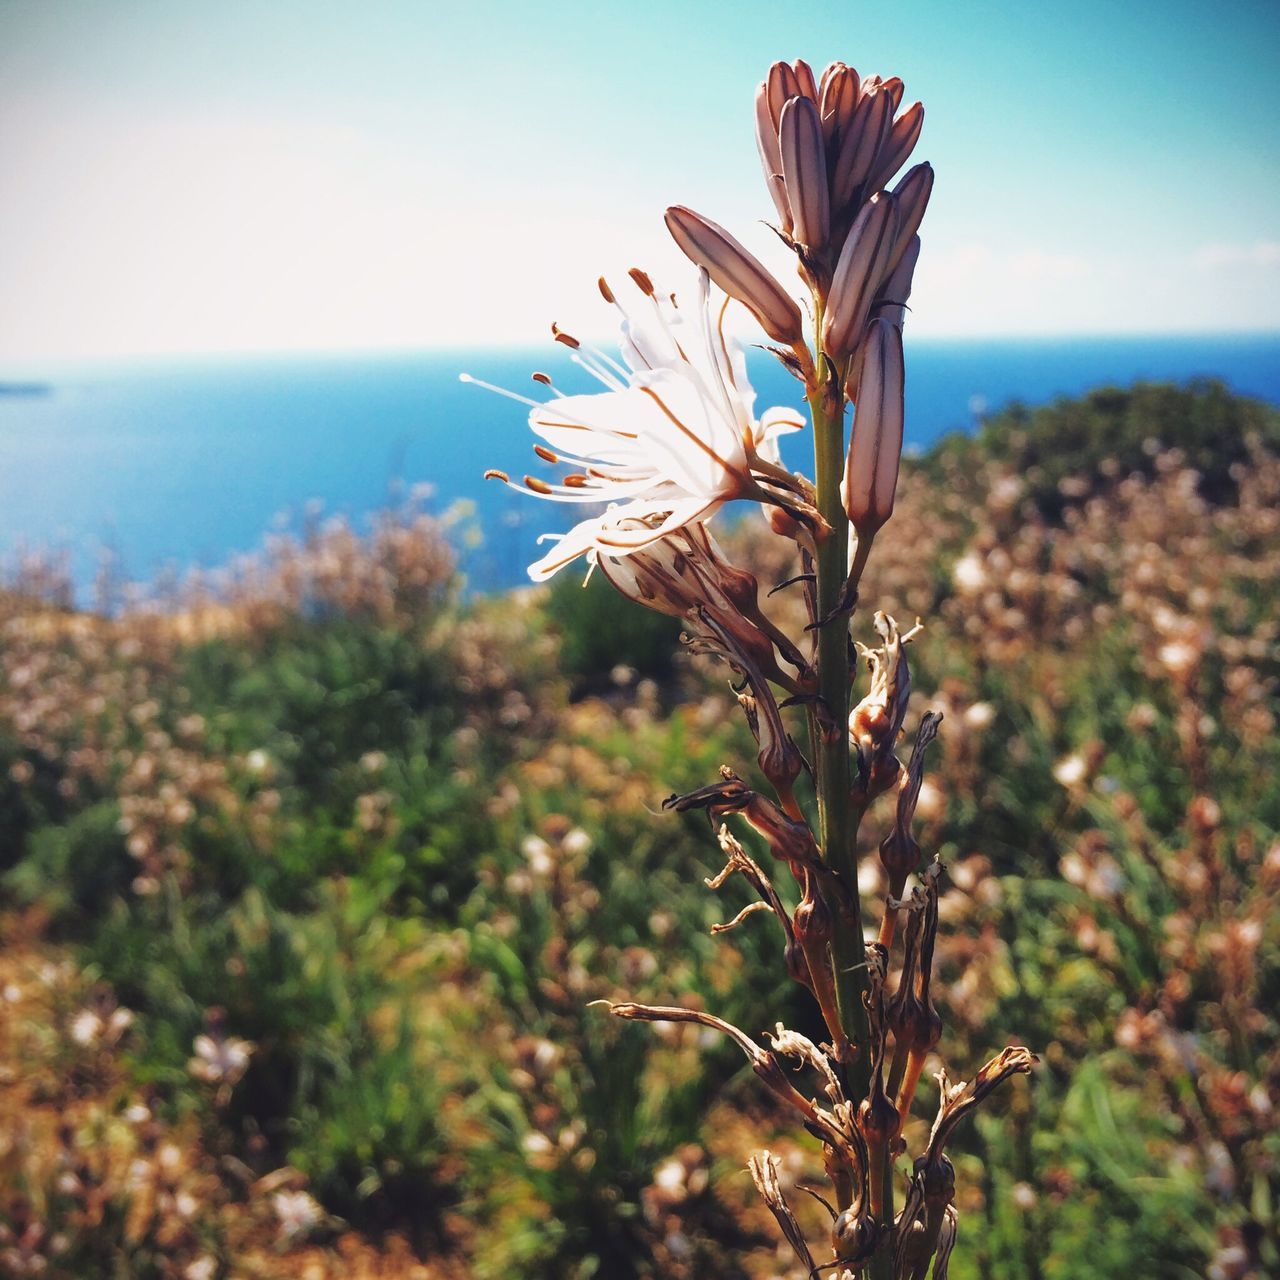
(184, 176)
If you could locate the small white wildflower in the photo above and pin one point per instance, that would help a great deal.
(979, 715)
(538, 853)
(220, 1060)
(1178, 657)
(576, 843)
(1024, 1196)
(537, 1144)
(1070, 771)
(86, 1028)
(669, 1176)
(299, 1214)
(969, 573)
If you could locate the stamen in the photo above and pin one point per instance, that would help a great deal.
(538, 486)
(560, 336)
(595, 366)
(643, 283)
(605, 291)
(544, 453)
(494, 474)
(502, 391)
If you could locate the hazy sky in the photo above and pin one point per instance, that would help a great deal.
(191, 175)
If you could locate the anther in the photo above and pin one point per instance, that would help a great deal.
(643, 283)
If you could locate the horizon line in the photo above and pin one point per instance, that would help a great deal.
(18, 364)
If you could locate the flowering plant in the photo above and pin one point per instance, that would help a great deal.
(671, 438)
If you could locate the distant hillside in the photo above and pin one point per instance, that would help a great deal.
(1068, 450)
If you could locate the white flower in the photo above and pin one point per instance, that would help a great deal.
(979, 715)
(969, 574)
(670, 438)
(297, 1212)
(220, 1059)
(86, 1027)
(1070, 771)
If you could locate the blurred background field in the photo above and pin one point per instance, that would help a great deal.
(309, 876)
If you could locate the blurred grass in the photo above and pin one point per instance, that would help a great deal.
(398, 843)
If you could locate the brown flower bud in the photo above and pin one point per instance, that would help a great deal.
(910, 199)
(893, 88)
(875, 443)
(903, 137)
(805, 83)
(804, 169)
(864, 262)
(859, 145)
(738, 272)
(771, 156)
(896, 293)
(838, 99)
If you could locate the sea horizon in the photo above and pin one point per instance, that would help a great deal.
(178, 462)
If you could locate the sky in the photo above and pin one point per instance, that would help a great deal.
(178, 176)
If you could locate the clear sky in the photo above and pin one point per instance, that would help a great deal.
(185, 175)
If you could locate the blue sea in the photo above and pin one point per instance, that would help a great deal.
(176, 464)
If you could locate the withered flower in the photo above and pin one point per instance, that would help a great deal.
(876, 722)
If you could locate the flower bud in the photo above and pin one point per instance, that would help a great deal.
(864, 262)
(771, 156)
(804, 169)
(805, 83)
(838, 99)
(896, 292)
(903, 137)
(893, 88)
(738, 272)
(910, 199)
(875, 444)
(860, 143)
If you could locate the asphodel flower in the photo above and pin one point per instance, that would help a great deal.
(669, 440)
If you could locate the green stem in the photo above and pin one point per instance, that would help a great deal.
(837, 818)
(838, 826)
